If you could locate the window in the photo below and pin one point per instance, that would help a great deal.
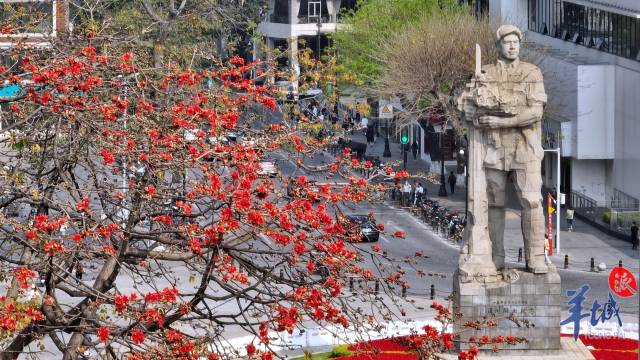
(312, 10)
(280, 12)
(606, 31)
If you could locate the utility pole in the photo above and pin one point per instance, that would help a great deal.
(443, 180)
(404, 141)
(319, 25)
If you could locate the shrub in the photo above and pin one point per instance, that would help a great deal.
(339, 351)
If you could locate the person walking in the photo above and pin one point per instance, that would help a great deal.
(452, 182)
(569, 215)
(414, 150)
(634, 235)
(406, 192)
(79, 270)
(419, 192)
(547, 247)
(370, 135)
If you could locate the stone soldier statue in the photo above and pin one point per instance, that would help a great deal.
(504, 104)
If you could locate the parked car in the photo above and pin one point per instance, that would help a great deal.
(268, 168)
(365, 225)
(314, 188)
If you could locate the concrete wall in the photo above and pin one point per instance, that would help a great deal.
(560, 82)
(596, 112)
(588, 177)
(509, 12)
(626, 168)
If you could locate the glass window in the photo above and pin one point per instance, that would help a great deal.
(606, 31)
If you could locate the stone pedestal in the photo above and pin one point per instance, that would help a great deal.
(522, 304)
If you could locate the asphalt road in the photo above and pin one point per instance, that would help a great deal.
(442, 256)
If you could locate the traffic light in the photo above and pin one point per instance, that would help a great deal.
(404, 136)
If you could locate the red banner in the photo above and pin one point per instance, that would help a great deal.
(550, 211)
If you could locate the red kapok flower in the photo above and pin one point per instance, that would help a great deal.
(251, 349)
(137, 336)
(399, 234)
(83, 204)
(107, 157)
(103, 334)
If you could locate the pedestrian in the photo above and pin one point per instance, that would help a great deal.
(419, 192)
(345, 123)
(569, 214)
(79, 270)
(364, 123)
(414, 150)
(369, 134)
(547, 247)
(406, 192)
(634, 235)
(452, 182)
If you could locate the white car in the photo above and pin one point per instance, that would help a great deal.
(267, 168)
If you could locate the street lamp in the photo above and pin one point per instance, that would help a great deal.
(443, 186)
(387, 149)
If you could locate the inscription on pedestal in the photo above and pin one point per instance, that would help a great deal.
(525, 305)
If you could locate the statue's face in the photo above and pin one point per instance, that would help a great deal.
(510, 47)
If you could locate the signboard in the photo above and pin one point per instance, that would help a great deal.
(385, 110)
(622, 282)
(9, 92)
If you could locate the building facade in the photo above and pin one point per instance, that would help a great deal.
(589, 52)
(290, 21)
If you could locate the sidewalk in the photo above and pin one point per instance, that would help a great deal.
(583, 243)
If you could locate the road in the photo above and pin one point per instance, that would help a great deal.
(442, 255)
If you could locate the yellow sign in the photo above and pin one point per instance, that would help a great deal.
(385, 111)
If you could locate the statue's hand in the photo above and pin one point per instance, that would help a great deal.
(493, 122)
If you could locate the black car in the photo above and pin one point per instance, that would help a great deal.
(366, 225)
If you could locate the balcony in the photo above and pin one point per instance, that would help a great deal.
(279, 18)
(314, 19)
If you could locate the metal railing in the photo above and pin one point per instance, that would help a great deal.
(591, 27)
(623, 201)
(314, 19)
(585, 205)
(616, 220)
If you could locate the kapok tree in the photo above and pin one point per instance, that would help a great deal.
(147, 181)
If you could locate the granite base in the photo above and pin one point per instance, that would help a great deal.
(521, 304)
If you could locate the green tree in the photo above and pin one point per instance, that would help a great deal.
(427, 65)
(374, 23)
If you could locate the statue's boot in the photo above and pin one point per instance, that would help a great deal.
(535, 261)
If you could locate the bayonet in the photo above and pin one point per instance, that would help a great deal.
(478, 61)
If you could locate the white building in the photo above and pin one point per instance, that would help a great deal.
(289, 21)
(589, 52)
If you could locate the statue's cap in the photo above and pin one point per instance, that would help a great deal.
(505, 30)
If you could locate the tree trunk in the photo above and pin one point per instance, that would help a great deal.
(158, 53)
